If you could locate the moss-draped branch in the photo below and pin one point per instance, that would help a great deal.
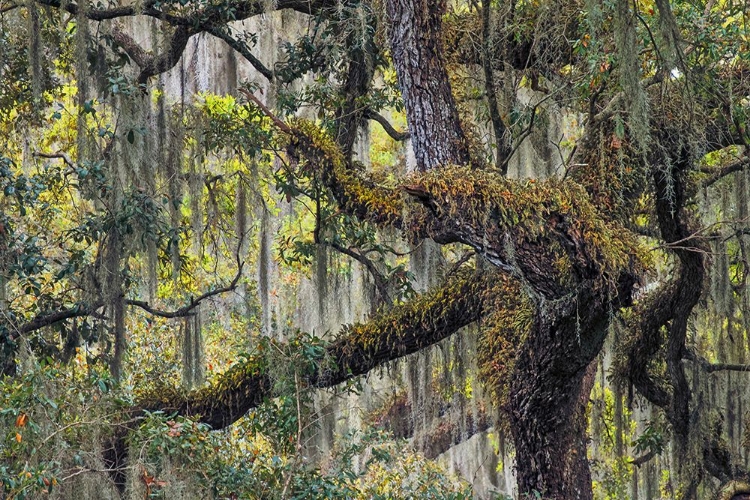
(359, 348)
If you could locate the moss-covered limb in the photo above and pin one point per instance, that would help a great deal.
(403, 330)
(407, 328)
(548, 232)
(503, 331)
(734, 490)
(539, 230)
(355, 192)
(243, 387)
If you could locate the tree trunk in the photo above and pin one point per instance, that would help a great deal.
(549, 392)
(436, 134)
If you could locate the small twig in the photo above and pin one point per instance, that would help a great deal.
(275, 119)
(61, 156)
(527, 131)
(8, 8)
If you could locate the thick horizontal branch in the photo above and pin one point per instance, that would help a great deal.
(404, 330)
(709, 367)
(209, 20)
(510, 223)
(718, 173)
(240, 10)
(41, 321)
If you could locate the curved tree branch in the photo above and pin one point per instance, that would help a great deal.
(404, 330)
(81, 310)
(718, 173)
(389, 129)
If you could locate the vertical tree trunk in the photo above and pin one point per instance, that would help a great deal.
(436, 134)
(549, 389)
(549, 393)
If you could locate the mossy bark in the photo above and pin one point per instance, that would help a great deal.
(550, 387)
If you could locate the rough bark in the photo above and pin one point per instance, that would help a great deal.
(547, 416)
(431, 112)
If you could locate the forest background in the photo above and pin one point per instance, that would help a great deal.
(249, 248)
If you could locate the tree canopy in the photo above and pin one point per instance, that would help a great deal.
(176, 175)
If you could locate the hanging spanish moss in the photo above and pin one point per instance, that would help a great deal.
(240, 214)
(35, 52)
(195, 193)
(85, 143)
(670, 34)
(193, 373)
(627, 45)
(264, 262)
(112, 292)
(173, 176)
(321, 282)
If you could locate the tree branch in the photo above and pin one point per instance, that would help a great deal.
(404, 330)
(81, 310)
(186, 310)
(152, 65)
(274, 119)
(716, 174)
(709, 367)
(380, 282)
(240, 11)
(639, 461)
(240, 47)
(503, 165)
(502, 147)
(9, 7)
(50, 319)
(389, 129)
(61, 156)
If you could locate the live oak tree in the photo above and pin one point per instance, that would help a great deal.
(662, 90)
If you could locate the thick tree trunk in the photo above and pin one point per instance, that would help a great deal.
(415, 31)
(549, 392)
(548, 396)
